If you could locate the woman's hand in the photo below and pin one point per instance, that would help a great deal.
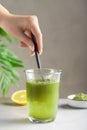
(21, 27)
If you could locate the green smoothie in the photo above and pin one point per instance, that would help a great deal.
(42, 98)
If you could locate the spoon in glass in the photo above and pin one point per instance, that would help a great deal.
(37, 55)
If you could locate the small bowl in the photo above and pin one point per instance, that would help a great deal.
(76, 103)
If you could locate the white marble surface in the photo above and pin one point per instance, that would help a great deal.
(13, 117)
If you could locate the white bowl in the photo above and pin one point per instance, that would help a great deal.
(75, 103)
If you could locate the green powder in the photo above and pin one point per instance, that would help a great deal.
(80, 97)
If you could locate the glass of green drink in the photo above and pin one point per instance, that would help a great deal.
(42, 88)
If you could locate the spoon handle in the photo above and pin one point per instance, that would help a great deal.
(36, 51)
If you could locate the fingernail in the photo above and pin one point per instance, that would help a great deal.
(40, 52)
(31, 48)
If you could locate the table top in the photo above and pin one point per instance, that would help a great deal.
(14, 117)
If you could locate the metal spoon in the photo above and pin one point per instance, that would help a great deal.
(37, 55)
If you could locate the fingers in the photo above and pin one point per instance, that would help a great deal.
(32, 53)
(29, 25)
(38, 35)
(26, 41)
(22, 44)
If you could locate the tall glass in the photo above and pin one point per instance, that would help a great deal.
(42, 88)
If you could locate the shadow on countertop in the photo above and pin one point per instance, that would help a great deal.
(7, 101)
(15, 121)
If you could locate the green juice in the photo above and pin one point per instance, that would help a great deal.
(42, 98)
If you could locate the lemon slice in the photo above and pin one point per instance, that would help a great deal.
(19, 97)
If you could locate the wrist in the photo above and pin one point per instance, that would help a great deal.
(4, 13)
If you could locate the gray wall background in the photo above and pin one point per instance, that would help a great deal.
(64, 27)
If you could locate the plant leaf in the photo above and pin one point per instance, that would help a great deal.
(11, 58)
(2, 44)
(6, 35)
(13, 72)
(5, 87)
(6, 78)
(8, 61)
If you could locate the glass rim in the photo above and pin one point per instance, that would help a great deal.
(31, 70)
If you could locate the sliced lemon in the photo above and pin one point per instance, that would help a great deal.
(19, 97)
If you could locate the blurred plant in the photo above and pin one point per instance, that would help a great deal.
(8, 62)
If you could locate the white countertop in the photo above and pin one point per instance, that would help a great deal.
(13, 117)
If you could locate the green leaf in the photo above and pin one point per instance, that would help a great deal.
(10, 76)
(15, 63)
(6, 35)
(11, 58)
(13, 72)
(5, 87)
(10, 54)
(8, 61)
(11, 62)
(6, 78)
(2, 44)
(1, 79)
